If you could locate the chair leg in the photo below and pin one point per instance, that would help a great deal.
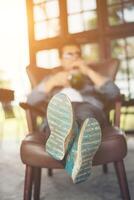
(50, 172)
(121, 174)
(37, 183)
(28, 183)
(105, 168)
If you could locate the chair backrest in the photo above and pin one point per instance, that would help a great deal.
(108, 68)
(36, 74)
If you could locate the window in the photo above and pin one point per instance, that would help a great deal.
(46, 18)
(103, 29)
(82, 12)
(48, 58)
(90, 52)
(123, 49)
(120, 11)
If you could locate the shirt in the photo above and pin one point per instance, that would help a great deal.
(88, 93)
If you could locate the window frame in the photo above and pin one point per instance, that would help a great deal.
(103, 35)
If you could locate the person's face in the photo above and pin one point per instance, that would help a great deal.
(70, 54)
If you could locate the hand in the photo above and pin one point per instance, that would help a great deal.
(57, 80)
(60, 79)
(81, 65)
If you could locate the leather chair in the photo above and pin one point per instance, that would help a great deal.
(113, 149)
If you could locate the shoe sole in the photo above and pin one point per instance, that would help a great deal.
(88, 143)
(60, 120)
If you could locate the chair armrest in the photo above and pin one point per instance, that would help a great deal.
(31, 108)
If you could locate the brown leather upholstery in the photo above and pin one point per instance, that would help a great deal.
(112, 150)
(36, 74)
(33, 149)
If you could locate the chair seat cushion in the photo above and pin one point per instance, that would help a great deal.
(113, 148)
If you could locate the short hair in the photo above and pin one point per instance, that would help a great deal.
(69, 44)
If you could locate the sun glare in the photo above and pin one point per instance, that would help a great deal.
(14, 45)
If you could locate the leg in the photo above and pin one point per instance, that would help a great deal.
(28, 183)
(79, 159)
(83, 110)
(37, 183)
(121, 174)
(63, 131)
(61, 123)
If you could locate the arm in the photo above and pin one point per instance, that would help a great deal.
(101, 77)
(104, 85)
(44, 88)
(97, 78)
(60, 79)
(109, 91)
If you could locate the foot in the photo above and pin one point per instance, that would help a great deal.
(61, 123)
(86, 143)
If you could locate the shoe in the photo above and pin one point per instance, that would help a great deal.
(79, 159)
(61, 123)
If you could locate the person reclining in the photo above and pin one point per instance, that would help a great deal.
(75, 113)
